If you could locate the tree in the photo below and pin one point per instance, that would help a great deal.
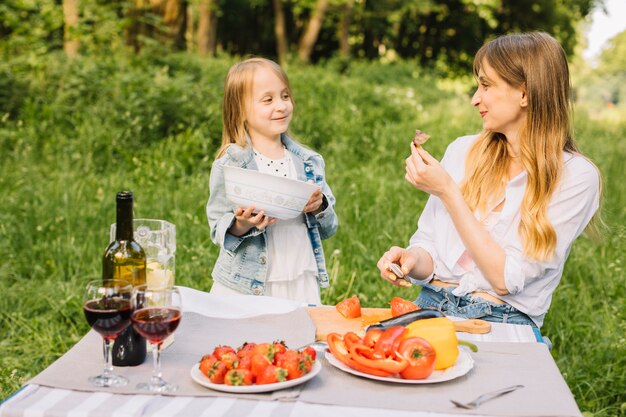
(307, 42)
(207, 27)
(161, 21)
(70, 24)
(280, 31)
(344, 28)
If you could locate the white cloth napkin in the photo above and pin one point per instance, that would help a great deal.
(235, 306)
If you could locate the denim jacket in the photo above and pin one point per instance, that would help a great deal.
(242, 262)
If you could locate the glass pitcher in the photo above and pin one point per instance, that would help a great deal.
(158, 240)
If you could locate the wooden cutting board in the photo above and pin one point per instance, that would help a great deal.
(328, 320)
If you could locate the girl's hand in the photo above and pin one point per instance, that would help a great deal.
(403, 257)
(426, 173)
(315, 202)
(246, 220)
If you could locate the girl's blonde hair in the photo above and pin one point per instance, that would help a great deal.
(237, 90)
(536, 62)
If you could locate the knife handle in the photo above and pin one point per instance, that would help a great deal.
(475, 326)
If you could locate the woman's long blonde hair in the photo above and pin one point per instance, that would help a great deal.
(536, 62)
(237, 90)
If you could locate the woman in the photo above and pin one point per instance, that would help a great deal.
(506, 205)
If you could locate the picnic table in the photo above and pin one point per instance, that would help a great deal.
(508, 355)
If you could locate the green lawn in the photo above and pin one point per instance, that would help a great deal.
(72, 135)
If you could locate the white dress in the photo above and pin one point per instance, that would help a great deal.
(291, 265)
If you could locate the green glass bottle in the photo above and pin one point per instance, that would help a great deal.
(125, 259)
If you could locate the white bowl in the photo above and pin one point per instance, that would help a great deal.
(278, 197)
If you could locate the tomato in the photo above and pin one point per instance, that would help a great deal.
(217, 372)
(206, 362)
(238, 377)
(350, 308)
(421, 357)
(401, 306)
(390, 364)
(245, 349)
(271, 375)
(371, 337)
(220, 350)
(310, 352)
(389, 341)
(258, 363)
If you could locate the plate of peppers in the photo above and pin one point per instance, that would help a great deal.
(423, 352)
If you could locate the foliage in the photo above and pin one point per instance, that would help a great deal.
(442, 34)
(77, 131)
(602, 88)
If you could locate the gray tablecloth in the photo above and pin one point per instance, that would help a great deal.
(196, 336)
(497, 365)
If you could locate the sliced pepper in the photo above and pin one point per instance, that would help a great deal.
(338, 347)
(392, 364)
(350, 339)
(371, 337)
(388, 342)
(339, 350)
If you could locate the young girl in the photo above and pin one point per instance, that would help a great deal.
(506, 205)
(258, 254)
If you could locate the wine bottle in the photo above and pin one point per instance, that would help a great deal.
(125, 259)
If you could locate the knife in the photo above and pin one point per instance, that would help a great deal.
(475, 326)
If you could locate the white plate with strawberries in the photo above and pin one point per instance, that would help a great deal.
(203, 380)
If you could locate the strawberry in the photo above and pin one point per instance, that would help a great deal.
(271, 375)
(238, 377)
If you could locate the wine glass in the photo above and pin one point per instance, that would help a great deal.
(157, 315)
(108, 308)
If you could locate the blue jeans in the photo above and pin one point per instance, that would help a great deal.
(474, 307)
(470, 306)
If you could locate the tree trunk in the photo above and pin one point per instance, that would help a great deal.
(207, 27)
(279, 30)
(344, 28)
(70, 21)
(173, 13)
(307, 42)
(190, 31)
(137, 26)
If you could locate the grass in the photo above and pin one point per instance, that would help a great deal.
(75, 133)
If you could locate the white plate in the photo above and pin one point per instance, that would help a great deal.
(462, 366)
(201, 379)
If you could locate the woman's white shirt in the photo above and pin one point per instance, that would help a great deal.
(530, 282)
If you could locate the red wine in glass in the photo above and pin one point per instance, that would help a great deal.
(157, 315)
(156, 323)
(108, 316)
(108, 308)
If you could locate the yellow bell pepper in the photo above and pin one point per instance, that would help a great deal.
(440, 333)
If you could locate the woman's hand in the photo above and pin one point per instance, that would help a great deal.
(400, 256)
(426, 173)
(315, 202)
(245, 219)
